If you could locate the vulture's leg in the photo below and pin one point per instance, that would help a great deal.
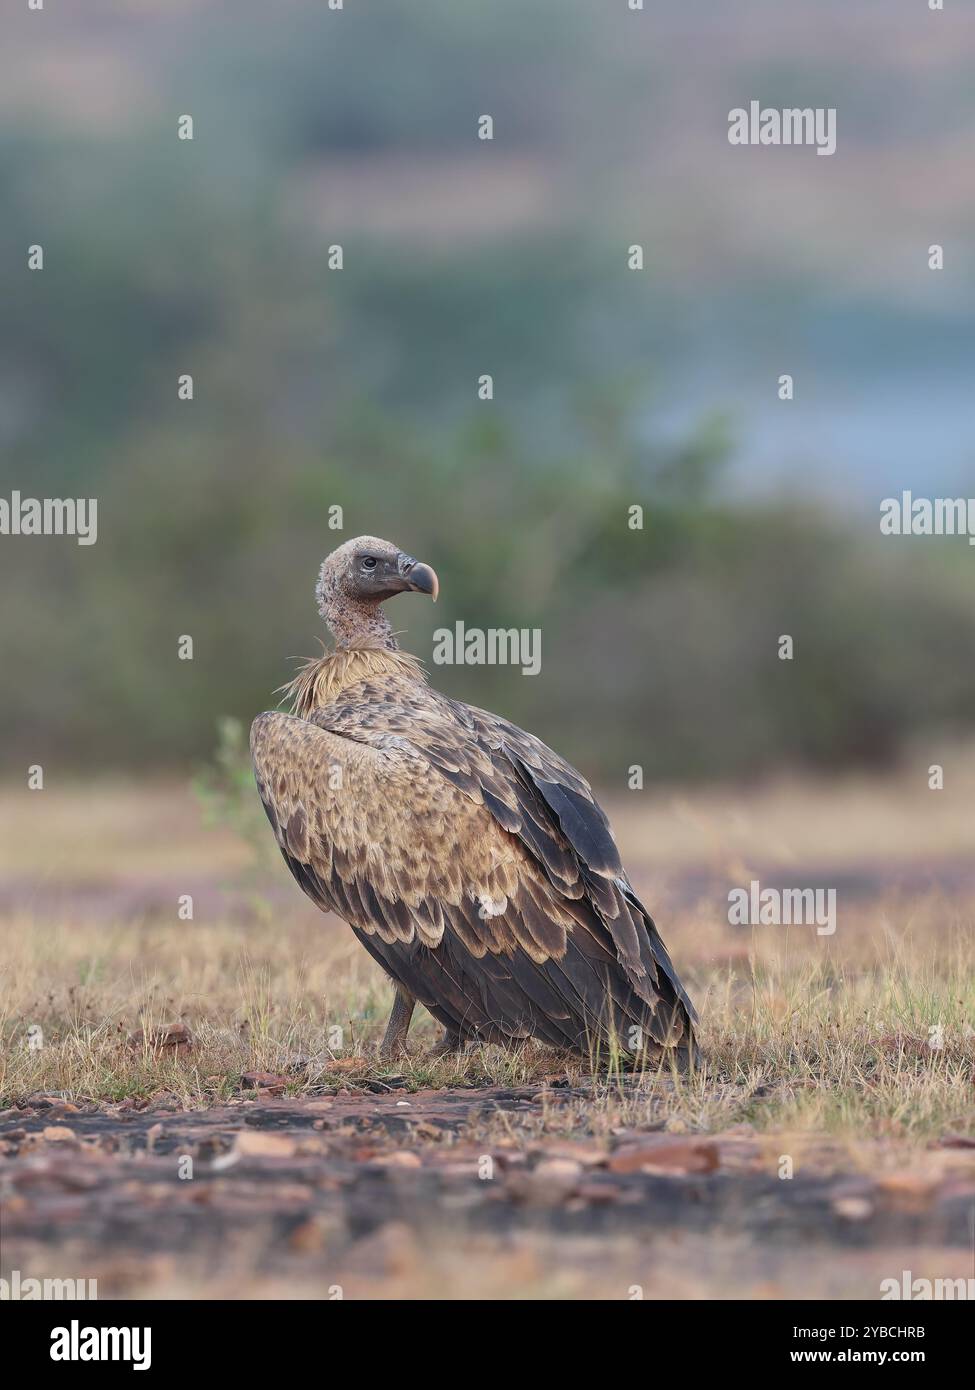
(394, 1043)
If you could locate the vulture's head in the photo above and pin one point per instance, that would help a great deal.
(368, 570)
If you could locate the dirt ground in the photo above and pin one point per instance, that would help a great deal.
(441, 1193)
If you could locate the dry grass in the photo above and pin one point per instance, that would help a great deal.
(806, 1033)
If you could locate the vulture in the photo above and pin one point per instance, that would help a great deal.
(472, 863)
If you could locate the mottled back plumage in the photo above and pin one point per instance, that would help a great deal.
(471, 861)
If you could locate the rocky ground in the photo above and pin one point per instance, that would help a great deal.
(382, 1191)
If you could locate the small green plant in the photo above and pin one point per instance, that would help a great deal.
(228, 796)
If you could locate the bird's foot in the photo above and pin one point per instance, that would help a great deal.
(448, 1044)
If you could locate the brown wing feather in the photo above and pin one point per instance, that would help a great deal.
(394, 845)
(423, 821)
(529, 792)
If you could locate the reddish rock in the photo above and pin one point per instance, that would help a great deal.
(59, 1134)
(175, 1038)
(666, 1155)
(265, 1081)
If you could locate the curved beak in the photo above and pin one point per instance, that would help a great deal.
(421, 579)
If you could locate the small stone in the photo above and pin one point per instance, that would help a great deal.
(59, 1134)
(175, 1038)
(264, 1081)
(399, 1158)
(667, 1156)
(257, 1143)
(853, 1208)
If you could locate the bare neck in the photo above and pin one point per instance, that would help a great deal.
(354, 623)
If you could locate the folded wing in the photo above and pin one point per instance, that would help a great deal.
(472, 862)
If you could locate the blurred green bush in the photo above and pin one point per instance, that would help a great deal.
(315, 388)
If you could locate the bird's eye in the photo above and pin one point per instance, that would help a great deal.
(369, 563)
